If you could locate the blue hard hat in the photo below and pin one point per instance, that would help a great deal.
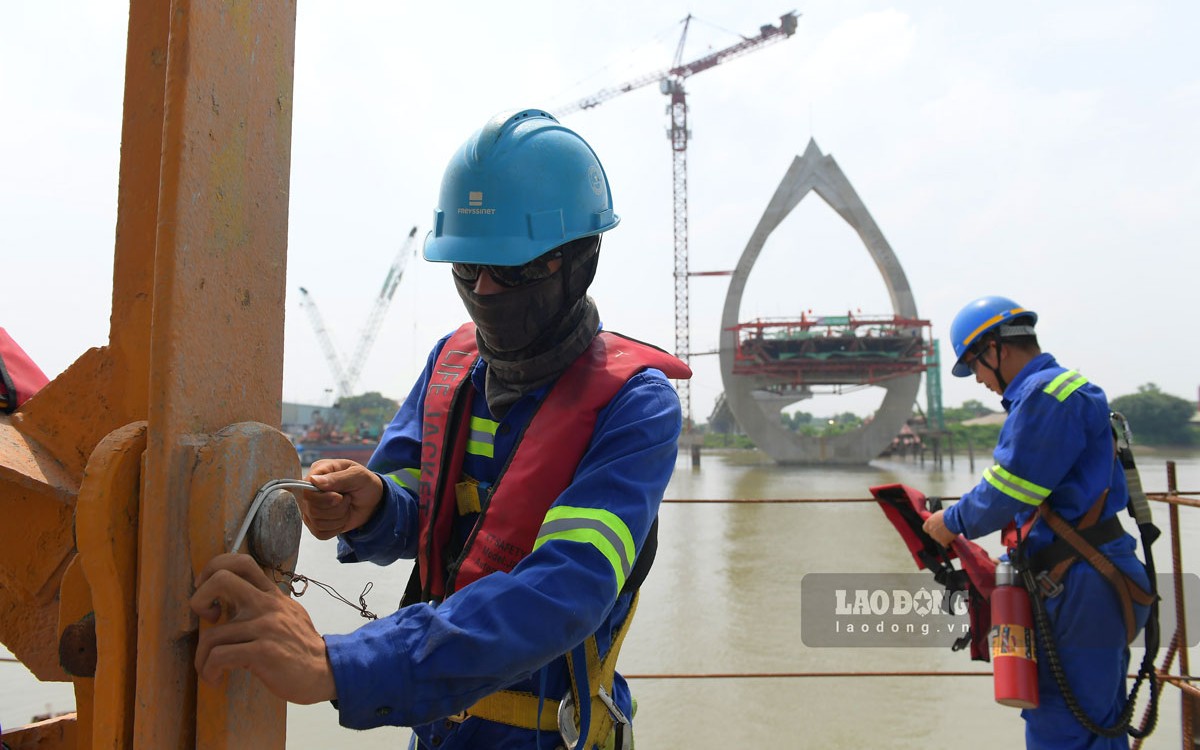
(980, 316)
(519, 187)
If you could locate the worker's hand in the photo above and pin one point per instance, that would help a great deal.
(248, 623)
(349, 494)
(935, 526)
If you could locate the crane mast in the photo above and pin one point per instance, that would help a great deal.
(671, 84)
(679, 135)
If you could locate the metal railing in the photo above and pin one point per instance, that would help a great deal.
(1177, 645)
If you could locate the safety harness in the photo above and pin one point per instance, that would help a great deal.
(513, 510)
(1044, 571)
(599, 714)
(1050, 564)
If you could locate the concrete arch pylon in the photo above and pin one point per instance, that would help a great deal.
(819, 173)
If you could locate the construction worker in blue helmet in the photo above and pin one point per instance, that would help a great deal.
(1056, 489)
(523, 473)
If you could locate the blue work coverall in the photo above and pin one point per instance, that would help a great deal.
(506, 630)
(1056, 446)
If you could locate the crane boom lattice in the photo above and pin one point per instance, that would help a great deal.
(370, 329)
(332, 358)
(671, 84)
(346, 377)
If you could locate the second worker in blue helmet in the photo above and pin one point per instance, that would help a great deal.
(523, 473)
(1055, 477)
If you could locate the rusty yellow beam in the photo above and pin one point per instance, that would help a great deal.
(37, 489)
(176, 419)
(45, 446)
(216, 343)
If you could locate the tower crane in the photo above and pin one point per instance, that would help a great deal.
(346, 378)
(670, 83)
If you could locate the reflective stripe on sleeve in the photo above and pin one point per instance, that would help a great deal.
(482, 441)
(1014, 486)
(599, 528)
(407, 478)
(1065, 384)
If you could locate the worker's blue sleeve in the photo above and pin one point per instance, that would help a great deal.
(425, 662)
(391, 533)
(1040, 442)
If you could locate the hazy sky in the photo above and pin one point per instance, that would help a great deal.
(1047, 152)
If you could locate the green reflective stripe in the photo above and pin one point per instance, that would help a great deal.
(476, 448)
(1014, 486)
(482, 440)
(1065, 384)
(599, 528)
(406, 478)
(482, 424)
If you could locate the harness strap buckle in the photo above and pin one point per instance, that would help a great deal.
(620, 739)
(459, 717)
(617, 714)
(1047, 586)
(567, 716)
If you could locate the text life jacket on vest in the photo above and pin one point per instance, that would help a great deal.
(20, 378)
(907, 509)
(541, 466)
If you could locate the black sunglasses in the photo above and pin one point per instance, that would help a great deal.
(510, 276)
(973, 355)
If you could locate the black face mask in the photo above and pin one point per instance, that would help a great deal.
(530, 319)
(530, 334)
(512, 322)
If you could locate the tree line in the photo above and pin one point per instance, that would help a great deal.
(1155, 418)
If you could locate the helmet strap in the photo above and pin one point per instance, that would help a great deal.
(996, 369)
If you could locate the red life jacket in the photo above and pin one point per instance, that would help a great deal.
(905, 507)
(541, 466)
(20, 378)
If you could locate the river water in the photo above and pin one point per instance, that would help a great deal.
(724, 600)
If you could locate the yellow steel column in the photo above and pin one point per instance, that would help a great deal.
(196, 350)
(216, 349)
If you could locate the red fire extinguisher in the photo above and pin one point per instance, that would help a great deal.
(1014, 645)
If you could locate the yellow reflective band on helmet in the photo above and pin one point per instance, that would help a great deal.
(1064, 385)
(599, 528)
(408, 478)
(989, 323)
(1014, 486)
(482, 441)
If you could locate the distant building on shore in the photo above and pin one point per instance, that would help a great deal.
(297, 418)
